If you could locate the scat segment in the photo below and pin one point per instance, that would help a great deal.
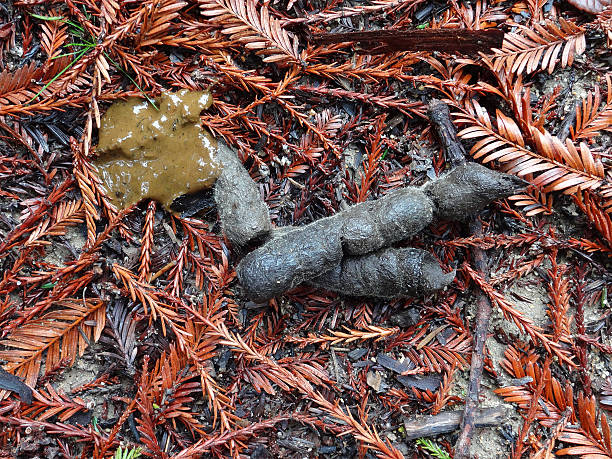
(468, 189)
(244, 215)
(372, 225)
(158, 154)
(388, 273)
(293, 257)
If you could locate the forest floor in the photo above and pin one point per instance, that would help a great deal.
(129, 324)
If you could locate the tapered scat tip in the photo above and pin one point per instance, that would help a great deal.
(487, 182)
(514, 184)
(433, 278)
(469, 188)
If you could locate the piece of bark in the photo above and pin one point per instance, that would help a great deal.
(244, 215)
(11, 382)
(569, 122)
(387, 273)
(445, 40)
(394, 365)
(429, 426)
(430, 382)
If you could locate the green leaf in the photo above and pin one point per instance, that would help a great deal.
(57, 18)
(432, 448)
(127, 453)
(47, 18)
(80, 55)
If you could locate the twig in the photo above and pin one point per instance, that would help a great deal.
(429, 426)
(482, 324)
(447, 133)
(455, 155)
(447, 40)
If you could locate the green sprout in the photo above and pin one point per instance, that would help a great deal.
(127, 453)
(432, 448)
(94, 424)
(87, 43)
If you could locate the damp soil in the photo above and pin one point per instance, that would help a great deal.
(156, 152)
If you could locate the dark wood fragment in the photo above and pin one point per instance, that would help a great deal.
(431, 382)
(568, 122)
(439, 115)
(445, 40)
(429, 426)
(11, 382)
(391, 364)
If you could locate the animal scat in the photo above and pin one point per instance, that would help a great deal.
(288, 260)
(376, 224)
(469, 188)
(293, 256)
(244, 215)
(159, 154)
(387, 273)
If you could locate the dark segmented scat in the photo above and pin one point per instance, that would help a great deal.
(333, 245)
(469, 188)
(297, 255)
(11, 382)
(372, 225)
(387, 273)
(244, 215)
(289, 259)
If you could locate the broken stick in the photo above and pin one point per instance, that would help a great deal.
(430, 426)
(453, 149)
(462, 447)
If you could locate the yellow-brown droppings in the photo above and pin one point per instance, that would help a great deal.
(159, 154)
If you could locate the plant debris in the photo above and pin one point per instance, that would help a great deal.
(13, 383)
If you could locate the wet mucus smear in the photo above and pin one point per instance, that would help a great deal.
(160, 154)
